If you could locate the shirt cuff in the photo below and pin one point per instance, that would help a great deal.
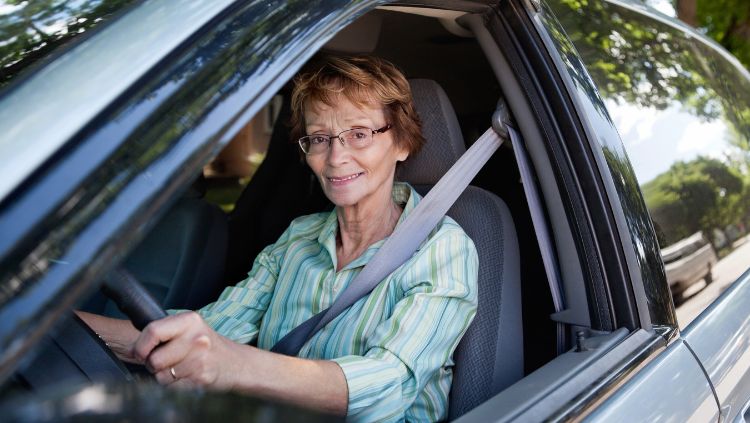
(374, 385)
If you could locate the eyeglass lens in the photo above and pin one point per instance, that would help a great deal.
(356, 138)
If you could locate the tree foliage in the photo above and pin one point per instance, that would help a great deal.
(726, 21)
(638, 61)
(634, 60)
(698, 195)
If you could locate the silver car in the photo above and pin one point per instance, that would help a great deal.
(688, 261)
(151, 136)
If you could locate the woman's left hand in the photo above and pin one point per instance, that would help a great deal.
(183, 350)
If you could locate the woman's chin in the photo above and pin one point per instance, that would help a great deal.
(343, 197)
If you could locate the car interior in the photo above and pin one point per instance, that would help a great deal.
(207, 240)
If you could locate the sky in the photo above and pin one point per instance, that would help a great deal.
(664, 6)
(655, 139)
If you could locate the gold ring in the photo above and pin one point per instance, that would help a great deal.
(171, 371)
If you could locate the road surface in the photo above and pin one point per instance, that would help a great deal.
(726, 271)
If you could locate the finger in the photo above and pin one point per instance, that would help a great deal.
(170, 353)
(195, 364)
(172, 375)
(164, 377)
(163, 330)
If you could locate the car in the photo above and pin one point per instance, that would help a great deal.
(688, 261)
(132, 133)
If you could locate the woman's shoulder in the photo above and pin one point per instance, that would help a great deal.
(446, 260)
(302, 232)
(449, 241)
(446, 230)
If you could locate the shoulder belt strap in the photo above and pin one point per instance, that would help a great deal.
(403, 242)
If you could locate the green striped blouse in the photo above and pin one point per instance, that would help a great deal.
(395, 346)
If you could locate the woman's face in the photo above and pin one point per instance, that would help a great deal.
(353, 177)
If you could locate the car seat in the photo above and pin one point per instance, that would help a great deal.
(489, 358)
(282, 188)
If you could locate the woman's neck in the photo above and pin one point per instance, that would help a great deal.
(360, 227)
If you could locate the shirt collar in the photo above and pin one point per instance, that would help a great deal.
(402, 193)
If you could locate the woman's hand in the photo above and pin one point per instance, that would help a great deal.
(183, 350)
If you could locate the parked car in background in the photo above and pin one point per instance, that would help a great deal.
(688, 261)
(114, 112)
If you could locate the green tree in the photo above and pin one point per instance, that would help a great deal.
(638, 61)
(726, 21)
(702, 194)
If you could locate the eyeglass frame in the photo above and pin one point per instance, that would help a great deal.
(331, 137)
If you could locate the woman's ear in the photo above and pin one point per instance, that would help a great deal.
(402, 154)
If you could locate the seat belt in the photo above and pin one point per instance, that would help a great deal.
(543, 235)
(408, 236)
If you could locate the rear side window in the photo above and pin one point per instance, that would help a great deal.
(682, 109)
(33, 30)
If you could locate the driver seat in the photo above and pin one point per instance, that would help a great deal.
(489, 357)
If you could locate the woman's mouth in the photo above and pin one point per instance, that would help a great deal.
(343, 180)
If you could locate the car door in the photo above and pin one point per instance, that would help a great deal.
(631, 316)
(680, 106)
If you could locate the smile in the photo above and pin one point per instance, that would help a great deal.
(344, 179)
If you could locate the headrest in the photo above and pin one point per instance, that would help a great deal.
(444, 145)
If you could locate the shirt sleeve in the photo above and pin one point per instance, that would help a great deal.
(237, 313)
(417, 341)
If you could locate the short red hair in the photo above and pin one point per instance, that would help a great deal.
(363, 80)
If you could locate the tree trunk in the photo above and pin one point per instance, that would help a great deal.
(686, 11)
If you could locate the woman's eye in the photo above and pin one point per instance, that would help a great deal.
(360, 135)
(318, 139)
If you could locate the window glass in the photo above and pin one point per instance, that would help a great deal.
(682, 109)
(32, 30)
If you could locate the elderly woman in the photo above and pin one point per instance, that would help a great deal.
(387, 357)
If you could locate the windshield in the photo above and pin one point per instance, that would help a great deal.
(31, 30)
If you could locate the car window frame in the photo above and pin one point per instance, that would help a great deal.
(124, 209)
(587, 200)
(637, 342)
(642, 272)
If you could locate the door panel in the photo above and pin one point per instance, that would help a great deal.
(672, 388)
(720, 338)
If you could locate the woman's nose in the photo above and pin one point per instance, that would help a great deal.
(337, 151)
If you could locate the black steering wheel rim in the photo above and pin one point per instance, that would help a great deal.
(75, 353)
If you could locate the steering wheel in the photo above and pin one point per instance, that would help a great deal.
(85, 358)
(76, 353)
(132, 298)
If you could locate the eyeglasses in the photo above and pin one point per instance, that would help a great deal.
(355, 138)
